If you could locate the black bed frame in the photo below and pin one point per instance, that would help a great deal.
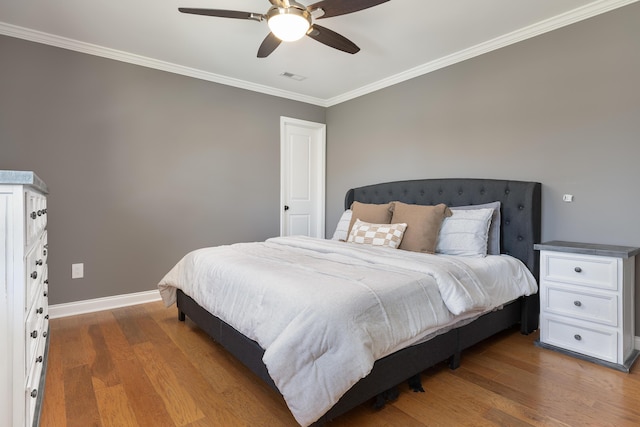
(520, 230)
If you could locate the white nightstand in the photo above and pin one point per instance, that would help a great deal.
(587, 301)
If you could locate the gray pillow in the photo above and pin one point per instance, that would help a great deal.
(493, 244)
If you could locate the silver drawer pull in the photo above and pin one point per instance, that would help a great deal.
(577, 337)
(577, 270)
(40, 310)
(34, 393)
(34, 275)
(33, 215)
(39, 359)
(577, 303)
(44, 334)
(34, 334)
(39, 262)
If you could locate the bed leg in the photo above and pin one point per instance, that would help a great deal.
(454, 361)
(530, 314)
(181, 316)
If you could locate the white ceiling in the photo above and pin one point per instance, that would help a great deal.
(399, 39)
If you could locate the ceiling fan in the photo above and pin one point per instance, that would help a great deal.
(289, 20)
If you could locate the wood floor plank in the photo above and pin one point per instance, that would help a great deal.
(500, 418)
(76, 345)
(449, 384)
(115, 339)
(127, 318)
(114, 407)
(147, 405)
(140, 366)
(179, 403)
(459, 412)
(80, 401)
(53, 410)
(564, 407)
(103, 370)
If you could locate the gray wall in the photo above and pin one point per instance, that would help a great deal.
(562, 109)
(142, 165)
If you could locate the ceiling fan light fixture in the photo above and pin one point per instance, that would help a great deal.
(288, 24)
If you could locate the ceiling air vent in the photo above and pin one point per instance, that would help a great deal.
(293, 76)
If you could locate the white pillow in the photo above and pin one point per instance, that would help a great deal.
(493, 245)
(389, 235)
(343, 226)
(465, 233)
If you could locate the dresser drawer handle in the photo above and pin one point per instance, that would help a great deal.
(40, 213)
(39, 359)
(39, 262)
(40, 310)
(577, 337)
(34, 334)
(34, 393)
(34, 215)
(577, 303)
(34, 275)
(44, 334)
(577, 270)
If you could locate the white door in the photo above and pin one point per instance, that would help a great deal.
(302, 187)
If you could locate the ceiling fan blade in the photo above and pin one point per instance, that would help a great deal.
(269, 44)
(220, 13)
(342, 7)
(332, 39)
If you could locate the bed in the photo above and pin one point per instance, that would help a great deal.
(519, 230)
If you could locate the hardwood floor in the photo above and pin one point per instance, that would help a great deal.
(139, 366)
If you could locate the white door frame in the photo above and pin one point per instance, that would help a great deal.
(320, 159)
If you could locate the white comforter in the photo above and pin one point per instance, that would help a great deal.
(325, 311)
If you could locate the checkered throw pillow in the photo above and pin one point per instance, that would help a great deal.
(389, 235)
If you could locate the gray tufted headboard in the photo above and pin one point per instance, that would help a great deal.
(520, 206)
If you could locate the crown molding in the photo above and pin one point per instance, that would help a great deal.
(559, 21)
(595, 8)
(118, 55)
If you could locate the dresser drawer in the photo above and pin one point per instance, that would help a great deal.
(594, 271)
(34, 271)
(36, 215)
(564, 301)
(32, 392)
(601, 343)
(36, 328)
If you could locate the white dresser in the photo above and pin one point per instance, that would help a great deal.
(24, 318)
(587, 301)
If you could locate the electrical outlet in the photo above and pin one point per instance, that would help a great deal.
(77, 271)
(568, 198)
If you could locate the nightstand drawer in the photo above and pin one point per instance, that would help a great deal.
(595, 342)
(602, 308)
(597, 272)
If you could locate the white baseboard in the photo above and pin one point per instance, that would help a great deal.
(99, 304)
